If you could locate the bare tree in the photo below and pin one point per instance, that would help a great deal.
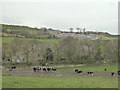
(80, 30)
(71, 29)
(44, 28)
(84, 30)
(77, 29)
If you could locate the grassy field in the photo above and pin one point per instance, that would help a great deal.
(59, 82)
(110, 68)
(9, 40)
(64, 81)
(110, 38)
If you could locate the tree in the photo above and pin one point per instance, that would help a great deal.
(84, 30)
(71, 30)
(50, 29)
(67, 49)
(99, 54)
(27, 55)
(49, 55)
(111, 51)
(78, 29)
(43, 28)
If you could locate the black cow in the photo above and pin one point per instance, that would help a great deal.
(118, 72)
(13, 68)
(105, 69)
(88, 73)
(76, 70)
(91, 73)
(48, 69)
(44, 69)
(54, 69)
(112, 74)
(80, 72)
(34, 69)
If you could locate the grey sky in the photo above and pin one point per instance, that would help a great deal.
(94, 15)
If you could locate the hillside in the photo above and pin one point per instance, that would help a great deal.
(44, 33)
(26, 32)
(33, 46)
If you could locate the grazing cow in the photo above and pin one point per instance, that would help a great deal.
(112, 74)
(13, 68)
(38, 68)
(118, 72)
(54, 69)
(80, 72)
(34, 69)
(44, 69)
(105, 69)
(76, 70)
(91, 73)
(88, 73)
(48, 69)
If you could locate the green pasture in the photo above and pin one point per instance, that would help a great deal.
(100, 68)
(65, 81)
(110, 38)
(32, 31)
(59, 82)
(9, 40)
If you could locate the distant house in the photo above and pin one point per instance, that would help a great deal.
(69, 34)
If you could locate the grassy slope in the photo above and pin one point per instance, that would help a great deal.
(59, 82)
(9, 39)
(110, 38)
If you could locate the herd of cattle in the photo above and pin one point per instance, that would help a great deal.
(43, 69)
(92, 73)
(80, 72)
(12, 68)
(54, 69)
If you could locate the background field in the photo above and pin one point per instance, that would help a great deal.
(10, 39)
(100, 68)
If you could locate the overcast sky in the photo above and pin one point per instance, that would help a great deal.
(98, 15)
